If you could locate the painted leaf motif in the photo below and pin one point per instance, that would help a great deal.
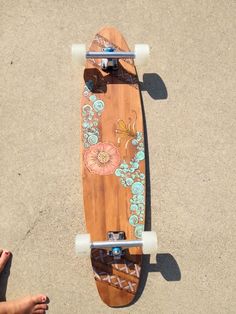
(122, 126)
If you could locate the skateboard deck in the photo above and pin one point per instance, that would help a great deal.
(113, 167)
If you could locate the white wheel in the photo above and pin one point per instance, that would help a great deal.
(82, 244)
(149, 242)
(78, 52)
(142, 52)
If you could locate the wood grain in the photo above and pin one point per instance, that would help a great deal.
(106, 200)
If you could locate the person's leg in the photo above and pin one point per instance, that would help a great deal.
(28, 305)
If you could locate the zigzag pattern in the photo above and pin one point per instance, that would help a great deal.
(125, 266)
(116, 281)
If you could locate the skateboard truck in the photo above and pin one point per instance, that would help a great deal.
(116, 243)
(109, 63)
(116, 251)
(110, 55)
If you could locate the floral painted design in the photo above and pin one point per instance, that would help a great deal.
(91, 113)
(126, 131)
(131, 177)
(102, 158)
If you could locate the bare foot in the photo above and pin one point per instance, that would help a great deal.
(28, 305)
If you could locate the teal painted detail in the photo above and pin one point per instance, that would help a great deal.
(91, 113)
(118, 172)
(134, 207)
(98, 105)
(134, 142)
(92, 139)
(140, 155)
(133, 220)
(138, 230)
(92, 98)
(137, 188)
(131, 177)
(129, 181)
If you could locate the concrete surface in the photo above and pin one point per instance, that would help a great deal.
(191, 144)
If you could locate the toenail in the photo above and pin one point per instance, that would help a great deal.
(7, 253)
(43, 299)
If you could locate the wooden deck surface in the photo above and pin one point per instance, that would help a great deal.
(113, 167)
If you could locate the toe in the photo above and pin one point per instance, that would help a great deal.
(41, 306)
(4, 257)
(40, 298)
(39, 312)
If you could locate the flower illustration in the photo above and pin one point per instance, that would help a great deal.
(127, 131)
(102, 158)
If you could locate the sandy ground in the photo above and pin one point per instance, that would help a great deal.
(189, 98)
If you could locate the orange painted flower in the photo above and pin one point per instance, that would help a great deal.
(102, 158)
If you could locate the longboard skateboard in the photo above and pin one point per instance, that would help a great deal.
(113, 166)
